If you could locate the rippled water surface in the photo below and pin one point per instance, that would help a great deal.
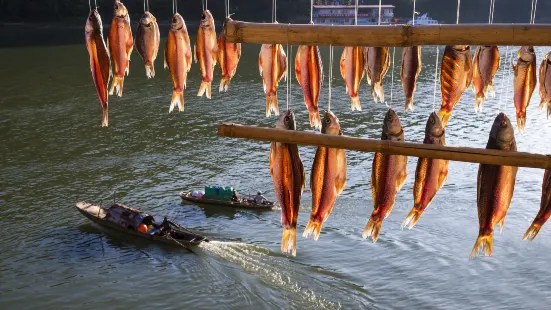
(54, 153)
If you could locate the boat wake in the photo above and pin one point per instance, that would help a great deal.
(273, 272)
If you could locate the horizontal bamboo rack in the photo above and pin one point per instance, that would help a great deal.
(464, 154)
(389, 35)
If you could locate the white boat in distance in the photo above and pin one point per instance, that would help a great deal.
(423, 20)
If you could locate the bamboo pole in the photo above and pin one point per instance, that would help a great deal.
(389, 35)
(463, 154)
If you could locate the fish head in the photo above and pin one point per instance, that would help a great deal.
(392, 127)
(502, 133)
(461, 48)
(330, 124)
(120, 10)
(547, 58)
(434, 127)
(287, 121)
(93, 23)
(527, 54)
(147, 20)
(177, 22)
(206, 19)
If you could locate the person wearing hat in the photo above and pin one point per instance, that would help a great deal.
(259, 199)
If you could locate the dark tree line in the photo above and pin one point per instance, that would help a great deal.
(260, 10)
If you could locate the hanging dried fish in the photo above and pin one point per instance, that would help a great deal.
(545, 208)
(352, 70)
(148, 38)
(309, 73)
(120, 46)
(272, 64)
(525, 82)
(411, 67)
(228, 57)
(377, 62)
(205, 52)
(485, 65)
(545, 84)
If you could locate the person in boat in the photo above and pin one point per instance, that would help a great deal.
(234, 197)
(259, 199)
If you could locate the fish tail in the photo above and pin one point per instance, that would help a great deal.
(490, 90)
(532, 232)
(409, 104)
(313, 228)
(289, 241)
(177, 100)
(548, 110)
(105, 116)
(271, 104)
(484, 244)
(521, 122)
(205, 88)
(544, 104)
(412, 217)
(149, 70)
(478, 103)
(224, 84)
(117, 85)
(444, 116)
(377, 92)
(355, 101)
(372, 229)
(315, 120)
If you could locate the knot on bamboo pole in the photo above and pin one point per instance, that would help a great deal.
(407, 31)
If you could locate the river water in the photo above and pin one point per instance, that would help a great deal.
(54, 153)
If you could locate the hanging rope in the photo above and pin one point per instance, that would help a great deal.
(510, 57)
(533, 13)
(148, 5)
(356, 13)
(144, 7)
(413, 19)
(435, 79)
(492, 8)
(379, 12)
(503, 78)
(392, 74)
(288, 80)
(206, 4)
(274, 11)
(311, 10)
(458, 6)
(90, 5)
(330, 75)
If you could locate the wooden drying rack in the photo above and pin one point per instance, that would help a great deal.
(394, 35)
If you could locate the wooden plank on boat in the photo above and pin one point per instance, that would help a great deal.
(389, 35)
(464, 154)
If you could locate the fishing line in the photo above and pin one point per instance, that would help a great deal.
(392, 74)
(287, 68)
(206, 4)
(90, 5)
(203, 4)
(356, 13)
(379, 12)
(274, 11)
(534, 8)
(510, 74)
(458, 6)
(144, 9)
(435, 78)
(330, 74)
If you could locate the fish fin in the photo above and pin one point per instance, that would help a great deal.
(312, 229)
(372, 229)
(444, 117)
(483, 243)
(315, 120)
(521, 122)
(490, 90)
(195, 52)
(478, 103)
(289, 241)
(413, 216)
(532, 232)
(355, 101)
(205, 88)
(514, 68)
(548, 110)
(149, 70)
(127, 71)
(271, 105)
(117, 86)
(297, 69)
(409, 104)
(177, 100)
(105, 116)
(501, 223)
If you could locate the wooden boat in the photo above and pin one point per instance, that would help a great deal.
(124, 219)
(242, 203)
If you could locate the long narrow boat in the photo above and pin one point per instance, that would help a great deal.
(124, 219)
(242, 203)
